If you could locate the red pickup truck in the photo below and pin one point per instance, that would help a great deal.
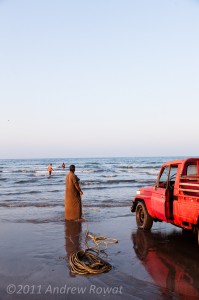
(174, 198)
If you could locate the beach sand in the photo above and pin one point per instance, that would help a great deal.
(34, 262)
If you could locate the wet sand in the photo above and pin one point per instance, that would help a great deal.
(161, 264)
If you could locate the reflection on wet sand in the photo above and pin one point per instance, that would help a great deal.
(172, 263)
(73, 232)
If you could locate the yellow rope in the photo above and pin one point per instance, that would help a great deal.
(84, 262)
(98, 240)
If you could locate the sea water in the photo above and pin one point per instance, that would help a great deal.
(28, 194)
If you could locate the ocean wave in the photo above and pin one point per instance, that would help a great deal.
(15, 205)
(152, 172)
(121, 181)
(87, 165)
(102, 204)
(26, 181)
(140, 167)
(90, 182)
(90, 171)
(109, 203)
(3, 179)
(95, 188)
(108, 182)
(23, 171)
(110, 176)
(20, 193)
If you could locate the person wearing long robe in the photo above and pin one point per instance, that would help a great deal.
(73, 204)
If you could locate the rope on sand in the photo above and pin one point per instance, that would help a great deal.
(84, 262)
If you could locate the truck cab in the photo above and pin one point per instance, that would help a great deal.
(174, 197)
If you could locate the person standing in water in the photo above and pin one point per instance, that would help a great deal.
(50, 168)
(73, 204)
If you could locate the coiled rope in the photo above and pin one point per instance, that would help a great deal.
(84, 262)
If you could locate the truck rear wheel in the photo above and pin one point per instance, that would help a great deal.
(143, 219)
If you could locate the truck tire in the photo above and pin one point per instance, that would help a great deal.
(198, 235)
(143, 219)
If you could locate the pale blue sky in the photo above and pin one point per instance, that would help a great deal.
(99, 78)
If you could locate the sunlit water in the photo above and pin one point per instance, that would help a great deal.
(28, 194)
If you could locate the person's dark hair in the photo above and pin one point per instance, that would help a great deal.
(72, 168)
